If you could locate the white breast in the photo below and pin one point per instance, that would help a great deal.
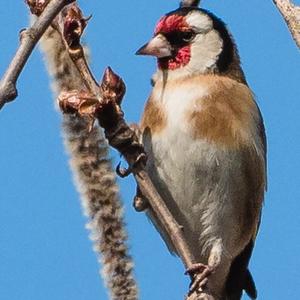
(177, 98)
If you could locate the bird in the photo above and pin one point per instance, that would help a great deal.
(204, 136)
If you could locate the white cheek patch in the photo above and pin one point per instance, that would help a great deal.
(199, 21)
(207, 44)
(205, 51)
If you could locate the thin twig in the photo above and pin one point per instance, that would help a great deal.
(291, 15)
(29, 38)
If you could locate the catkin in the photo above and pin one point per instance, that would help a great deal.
(94, 177)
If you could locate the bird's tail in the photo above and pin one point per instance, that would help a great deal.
(249, 286)
(240, 278)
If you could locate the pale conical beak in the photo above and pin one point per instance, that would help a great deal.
(158, 46)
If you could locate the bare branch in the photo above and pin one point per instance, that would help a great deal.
(291, 15)
(29, 38)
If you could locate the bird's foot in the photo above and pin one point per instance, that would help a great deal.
(125, 172)
(140, 203)
(199, 274)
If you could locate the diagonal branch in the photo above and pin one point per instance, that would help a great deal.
(102, 102)
(28, 39)
(291, 15)
(105, 106)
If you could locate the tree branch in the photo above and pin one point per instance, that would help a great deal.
(291, 15)
(28, 39)
(102, 102)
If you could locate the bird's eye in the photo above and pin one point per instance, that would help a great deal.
(188, 36)
(180, 38)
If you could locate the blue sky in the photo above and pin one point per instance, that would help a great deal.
(45, 252)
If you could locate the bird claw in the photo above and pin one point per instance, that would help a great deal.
(123, 172)
(199, 274)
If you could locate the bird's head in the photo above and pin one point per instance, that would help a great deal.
(191, 41)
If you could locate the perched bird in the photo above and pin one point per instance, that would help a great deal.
(205, 138)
